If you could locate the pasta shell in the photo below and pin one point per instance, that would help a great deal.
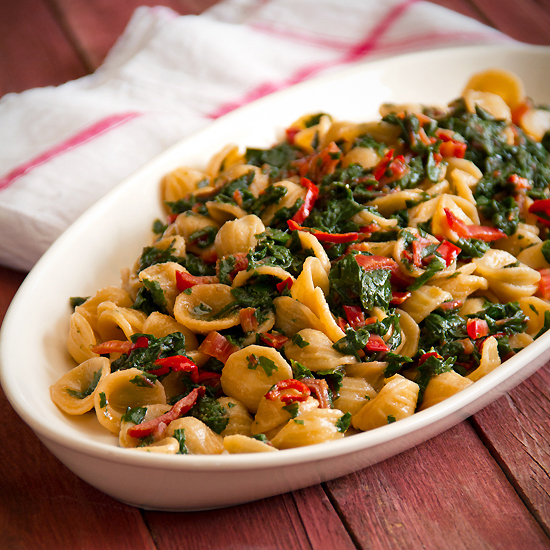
(119, 391)
(396, 400)
(71, 393)
(442, 386)
(244, 378)
(199, 438)
(238, 444)
(310, 428)
(318, 355)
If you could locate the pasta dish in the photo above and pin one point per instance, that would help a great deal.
(347, 277)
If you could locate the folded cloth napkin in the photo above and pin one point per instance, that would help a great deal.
(62, 148)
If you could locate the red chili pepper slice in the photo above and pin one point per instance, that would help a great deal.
(287, 283)
(291, 383)
(398, 298)
(477, 328)
(309, 200)
(370, 263)
(247, 317)
(325, 237)
(544, 283)
(541, 209)
(448, 251)
(519, 182)
(276, 341)
(376, 343)
(218, 346)
(354, 315)
(453, 304)
(176, 363)
(180, 408)
(185, 280)
(113, 346)
(481, 232)
(380, 168)
(291, 134)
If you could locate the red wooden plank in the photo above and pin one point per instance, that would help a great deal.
(9, 283)
(321, 521)
(96, 24)
(464, 7)
(35, 51)
(524, 20)
(517, 431)
(45, 506)
(272, 523)
(447, 493)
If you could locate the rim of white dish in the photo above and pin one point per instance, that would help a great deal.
(464, 401)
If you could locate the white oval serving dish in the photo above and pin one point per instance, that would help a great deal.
(111, 235)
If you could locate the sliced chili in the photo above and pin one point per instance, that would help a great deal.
(180, 408)
(275, 392)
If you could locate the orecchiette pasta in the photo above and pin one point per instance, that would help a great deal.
(346, 278)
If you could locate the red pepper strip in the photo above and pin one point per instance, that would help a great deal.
(113, 346)
(417, 248)
(380, 168)
(454, 304)
(519, 182)
(481, 232)
(342, 323)
(450, 147)
(121, 346)
(370, 263)
(309, 200)
(397, 298)
(287, 283)
(448, 251)
(276, 341)
(354, 315)
(289, 398)
(397, 169)
(176, 363)
(185, 280)
(218, 346)
(291, 134)
(477, 328)
(247, 317)
(172, 218)
(319, 164)
(541, 209)
(376, 343)
(241, 263)
(544, 283)
(425, 356)
(180, 408)
(324, 237)
(319, 387)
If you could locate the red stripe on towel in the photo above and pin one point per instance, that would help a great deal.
(354, 53)
(84, 136)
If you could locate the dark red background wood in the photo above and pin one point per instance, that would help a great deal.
(481, 485)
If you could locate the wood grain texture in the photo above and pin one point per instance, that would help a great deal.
(35, 51)
(516, 429)
(525, 20)
(95, 25)
(10, 280)
(46, 507)
(447, 493)
(464, 7)
(269, 524)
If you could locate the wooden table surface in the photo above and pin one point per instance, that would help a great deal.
(483, 484)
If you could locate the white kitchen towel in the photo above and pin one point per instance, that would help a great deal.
(62, 148)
